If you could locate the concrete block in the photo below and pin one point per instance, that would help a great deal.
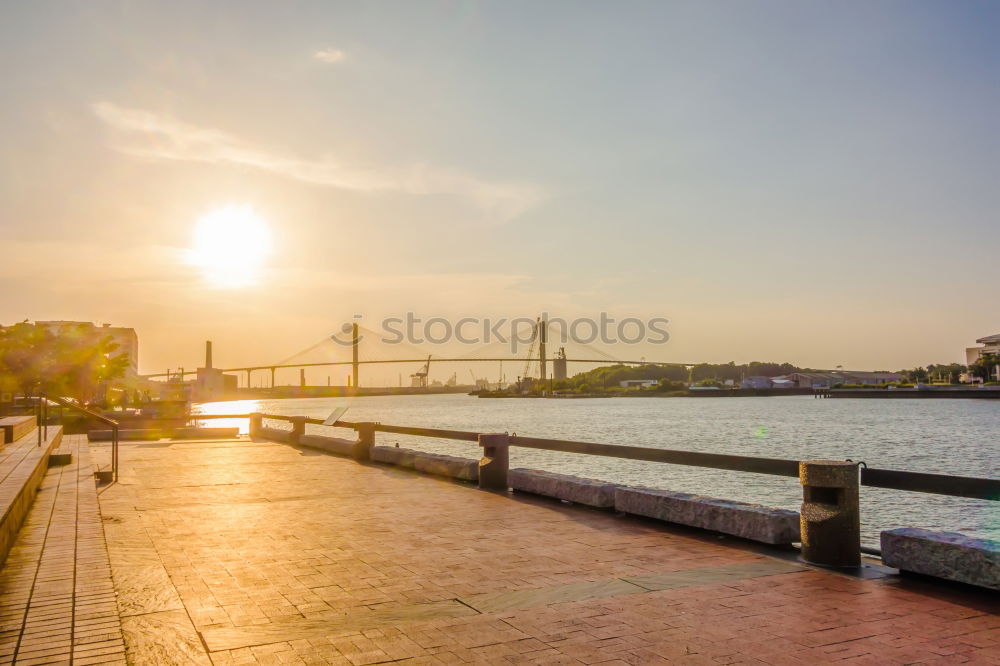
(466, 469)
(136, 434)
(335, 445)
(392, 455)
(128, 434)
(748, 521)
(459, 468)
(273, 434)
(590, 492)
(948, 555)
(204, 433)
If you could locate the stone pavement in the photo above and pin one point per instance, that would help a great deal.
(233, 552)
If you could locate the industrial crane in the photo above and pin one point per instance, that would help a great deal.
(419, 378)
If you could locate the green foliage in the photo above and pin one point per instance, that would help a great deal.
(670, 386)
(985, 367)
(76, 363)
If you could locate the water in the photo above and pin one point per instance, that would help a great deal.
(938, 436)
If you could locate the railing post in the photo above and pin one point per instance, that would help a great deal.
(831, 513)
(298, 429)
(366, 440)
(495, 461)
(256, 425)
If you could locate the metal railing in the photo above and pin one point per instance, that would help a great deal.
(920, 482)
(42, 415)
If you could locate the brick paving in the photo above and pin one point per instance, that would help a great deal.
(239, 552)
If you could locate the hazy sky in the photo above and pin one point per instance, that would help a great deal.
(805, 182)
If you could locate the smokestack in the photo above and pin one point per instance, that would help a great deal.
(208, 353)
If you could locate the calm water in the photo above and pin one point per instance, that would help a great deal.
(939, 436)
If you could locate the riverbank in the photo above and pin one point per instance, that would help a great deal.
(874, 393)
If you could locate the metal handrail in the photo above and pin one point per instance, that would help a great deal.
(43, 402)
(921, 482)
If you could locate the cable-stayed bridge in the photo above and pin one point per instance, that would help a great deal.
(364, 350)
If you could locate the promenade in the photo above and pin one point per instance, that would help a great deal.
(240, 552)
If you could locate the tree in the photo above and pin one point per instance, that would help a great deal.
(78, 362)
(946, 372)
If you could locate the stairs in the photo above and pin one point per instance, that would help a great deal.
(24, 459)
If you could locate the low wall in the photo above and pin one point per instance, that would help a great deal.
(747, 521)
(923, 394)
(466, 469)
(335, 445)
(161, 433)
(598, 494)
(946, 555)
(273, 434)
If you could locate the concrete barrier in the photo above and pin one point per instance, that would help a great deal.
(205, 433)
(160, 433)
(748, 521)
(590, 492)
(392, 455)
(273, 434)
(335, 445)
(466, 469)
(441, 465)
(947, 555)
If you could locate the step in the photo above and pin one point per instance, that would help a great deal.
(23, 464)
(16, 427)
(59, 604)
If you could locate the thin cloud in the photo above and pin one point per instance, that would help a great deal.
(331, 56)
(154, 136)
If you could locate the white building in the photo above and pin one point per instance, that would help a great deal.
(990, 345)
(128, 341)
(639, 383)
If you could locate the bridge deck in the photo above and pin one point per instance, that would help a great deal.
(245, 552)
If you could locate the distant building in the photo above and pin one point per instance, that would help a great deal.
(829, 379)
(211, 383)
(638, 383)
(559, 365)
(126, 338)
(990, 345)
(757, 382)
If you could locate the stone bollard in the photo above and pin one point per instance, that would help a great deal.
(366, 440)
(256, 424)
(831, 515)
(298, 429)
(495, 461)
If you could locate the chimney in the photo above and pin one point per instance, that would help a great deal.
(208, 353)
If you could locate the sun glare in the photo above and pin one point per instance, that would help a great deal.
(231, 245)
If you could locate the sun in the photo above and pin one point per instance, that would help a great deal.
(231, 246)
